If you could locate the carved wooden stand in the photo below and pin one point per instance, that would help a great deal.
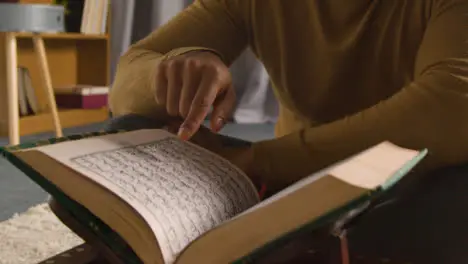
(303, 250)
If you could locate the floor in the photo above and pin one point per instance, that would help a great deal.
(18, 192)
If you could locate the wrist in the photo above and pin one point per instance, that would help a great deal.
(243, 158)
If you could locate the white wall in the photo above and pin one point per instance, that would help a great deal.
(121, 29)
(164, 10)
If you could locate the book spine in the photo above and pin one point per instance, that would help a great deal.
(30, 92)
(85, 17)
(105, 17)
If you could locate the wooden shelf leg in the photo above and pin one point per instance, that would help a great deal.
(12, 89)
(45, 73)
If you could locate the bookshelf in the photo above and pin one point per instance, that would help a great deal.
(73, 58)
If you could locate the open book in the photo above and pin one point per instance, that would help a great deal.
(174, 202)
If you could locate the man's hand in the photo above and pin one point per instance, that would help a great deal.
(241, 156)
(190, 84)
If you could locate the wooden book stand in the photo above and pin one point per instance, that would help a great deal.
(322, 249)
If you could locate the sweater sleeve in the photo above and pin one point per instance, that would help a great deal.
(431, 112)
(210, 25)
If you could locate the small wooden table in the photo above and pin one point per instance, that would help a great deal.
(12, 85)
(11, 24)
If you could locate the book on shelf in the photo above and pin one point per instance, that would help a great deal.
(82, 96)
(22, 100)
(95, 16)
(27, 99)
(153, 198)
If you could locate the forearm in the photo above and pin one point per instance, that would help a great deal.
(430, 112)
(424, 115)
(208, 25)
(132, 88)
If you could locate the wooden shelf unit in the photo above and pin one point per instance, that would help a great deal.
(73, 59)
(73, 36)
(69, 118)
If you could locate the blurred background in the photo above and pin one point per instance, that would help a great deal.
(82, 62)
(83, 41)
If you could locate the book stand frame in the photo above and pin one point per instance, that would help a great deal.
(93, 251)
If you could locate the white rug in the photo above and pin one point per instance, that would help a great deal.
(33, 236)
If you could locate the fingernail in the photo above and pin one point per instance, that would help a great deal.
(183, 133)
(218, 124)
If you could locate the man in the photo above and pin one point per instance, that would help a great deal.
(348, 75)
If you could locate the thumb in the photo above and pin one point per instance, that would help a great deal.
(222, 108)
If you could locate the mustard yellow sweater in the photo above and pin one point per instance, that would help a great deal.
(347, 74)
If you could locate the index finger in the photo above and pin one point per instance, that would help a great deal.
(203, 100)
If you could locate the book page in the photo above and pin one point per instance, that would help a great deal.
(375, 166)
(180, 189)
(368, 169)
